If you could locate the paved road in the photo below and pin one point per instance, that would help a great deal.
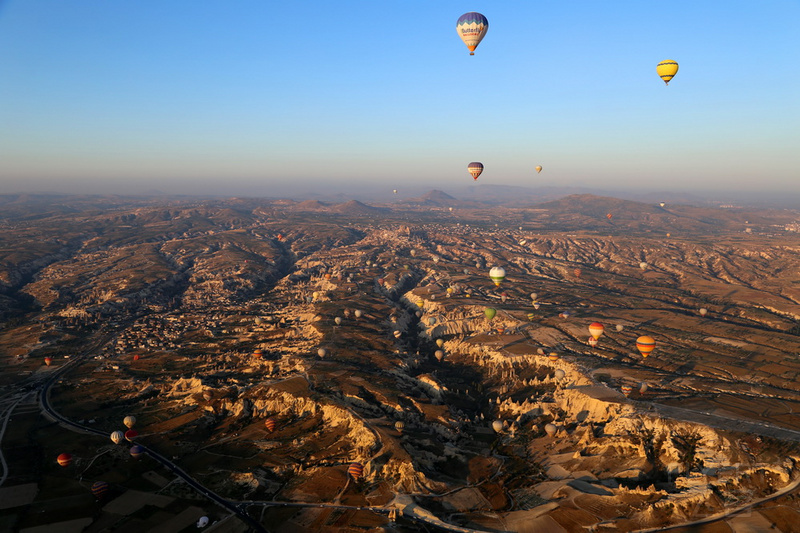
(47, 409)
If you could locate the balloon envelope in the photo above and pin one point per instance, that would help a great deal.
(270, 424)
(472, 27)
(703, 311)
(497, 274)
(99, 488)
(490, 313)
(475, 169)
(136, 451)
(667, 70)
(596, 329)
(497, 426)
(117, 436)
(129, 421)
(550, 429)
(64, 459)
(356, 470)
(645, 344)
(538, 169)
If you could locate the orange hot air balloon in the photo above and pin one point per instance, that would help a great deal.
(270, 424)
(626, 390)
(596, 329)
(609, 216)
(258, 354)
(48, 360)
(356, 470)
(553, 357)
(64, 459)
(136, 357)
(592, 342)
(577, 272)
(645, 344)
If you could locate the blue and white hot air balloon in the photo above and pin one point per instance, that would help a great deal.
(471, 27)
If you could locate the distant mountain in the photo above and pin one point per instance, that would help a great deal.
(354, 207)
(311, 205)
(599, 206)
(434, 197)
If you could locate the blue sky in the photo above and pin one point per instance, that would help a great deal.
(245, 96)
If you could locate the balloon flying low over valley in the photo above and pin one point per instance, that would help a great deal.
(426, 364)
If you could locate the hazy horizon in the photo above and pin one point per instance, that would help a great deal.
(249, 99)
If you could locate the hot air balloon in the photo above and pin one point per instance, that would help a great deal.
(439, 342)
(497, 426)
(356, 470)
(48, 360)
(577, 272)
(258, 354)
(322, 352)
(439, 354)
(136, 451)
(559, 374)
(619, 327)
(536, 305)
(117, 436)
(270, 424)
(645, 345)
(475, 168)
(500, 330)
(643, 388)
(497, 274)
(328, 276)
(531, 316)
(667, 70)
(397, 334)
(99, 489)
(471, 27)
(358, 313)
(338, 320)
(596, 329)
(643, 265)
(534, 296)
(609, 216)
(490, 313)
(202, 522)
(400, 426)
(129, 421)
(131, 434)
(64, 459)
(431, 321)
(550, 429)
(394, 191)
(553, 357)
(592, 342)
(503, 297)
(538, 169)
(136, 357)
(703, 311)
(626, 390)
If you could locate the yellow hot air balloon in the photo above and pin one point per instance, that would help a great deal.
(645, 344)
(667, 69)
(538, 168)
